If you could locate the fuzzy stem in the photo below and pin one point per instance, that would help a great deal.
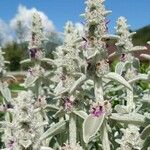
(98, 89)
(72, 129)
(105, 139)
(99, 96)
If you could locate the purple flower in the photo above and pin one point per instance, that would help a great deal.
(62, 77)
(123, 57)
(31, 71)
(85, 43)
(97, 110)
(67, 104)
(33, 53)
(11, 144)
(106, 23)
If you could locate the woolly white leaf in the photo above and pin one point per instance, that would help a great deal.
(25, 143)
(53, 130)
(120, 67)
(139, 77)
(5, 92)
(118, 78)
(145, 56)
(138, 48)
(25, 61)
(78, 83)
(81, 114)
(29, 81)
(47, 60)
(132, 118)
(91, 125)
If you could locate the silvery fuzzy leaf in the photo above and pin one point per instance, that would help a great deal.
(120, 67)
(146, 98)
(110, 36)
(47, 60)
(112, 55)
(91, 125)
(121, 109)
(11, 76)
(120, 44)
(25, 143)
(54, 130)
(107, 12)
(91, 55)
(118, 78)
(81, 114)
(77, 83)
(29, 81)
(59, 88)
(130, 101)
(132, 118)
(6, 62)
(139, 77)
(138, 48)
(104, 136)
(145, 133)
(136, 63)
(5, 92)
(132, 33)
(46, 148)
(145, 56)
(25, 61)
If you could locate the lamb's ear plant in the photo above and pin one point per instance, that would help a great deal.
(97, 70)
(67, 71)
(6, 94)
(27, 118)
(6, 99)
(83, 105)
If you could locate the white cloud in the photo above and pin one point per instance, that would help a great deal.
(5, 33)
(24, 14)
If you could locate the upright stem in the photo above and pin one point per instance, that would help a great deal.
(98, 90)
(72, 129)
(105, 139)
(99, 96)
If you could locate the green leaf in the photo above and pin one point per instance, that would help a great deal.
(118, 78)
(91, 125)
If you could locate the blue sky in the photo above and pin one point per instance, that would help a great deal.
(59, 11)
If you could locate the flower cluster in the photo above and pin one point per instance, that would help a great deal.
(100, 108)
(37, 38)
(24, 129)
